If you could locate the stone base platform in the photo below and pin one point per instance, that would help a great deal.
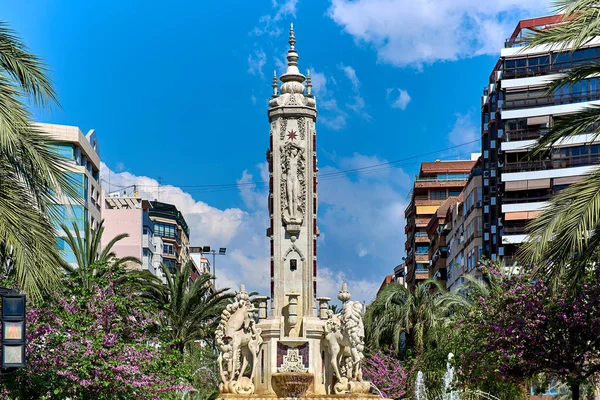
(228, 396)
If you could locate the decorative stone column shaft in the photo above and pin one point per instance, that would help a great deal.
(323, 306)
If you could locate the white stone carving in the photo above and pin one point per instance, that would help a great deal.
(291, 249)
(293, 182)
(282, 128)
(292, 362)
(344, 337)
(238, 339)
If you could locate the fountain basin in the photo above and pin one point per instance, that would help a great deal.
(292, 384)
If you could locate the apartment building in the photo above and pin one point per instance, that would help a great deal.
(171, 227)
(516, 110)
(83, 157)
(436, 182)
(464, 230)
(131, 215)
(437, 232)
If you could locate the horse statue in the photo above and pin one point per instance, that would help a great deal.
(344, 337)
(238, 339)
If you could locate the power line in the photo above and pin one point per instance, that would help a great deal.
(327, 176)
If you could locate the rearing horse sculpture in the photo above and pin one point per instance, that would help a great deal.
(237, 335)
(344, 337)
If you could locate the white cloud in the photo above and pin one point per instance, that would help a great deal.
(465, 130)
(428, 31)
(253, 99)
(267, 24)
(329, 284)
(335, 118)
(401, 101)
(351, 75)
(319, 82)
(358, 102)
(256, 62)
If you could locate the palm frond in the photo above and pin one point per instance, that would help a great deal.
(562, 238)
(580, 24)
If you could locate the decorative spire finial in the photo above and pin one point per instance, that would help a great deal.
(275, 85)
(344, 294)
(292, 79)
(292, 37)
(308, 84)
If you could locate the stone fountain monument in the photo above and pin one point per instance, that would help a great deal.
(299, 349)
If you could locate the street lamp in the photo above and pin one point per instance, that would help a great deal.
(222, 251)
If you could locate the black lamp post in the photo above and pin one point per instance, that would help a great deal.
(222, 251)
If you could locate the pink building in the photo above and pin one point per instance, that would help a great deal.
(130, 215)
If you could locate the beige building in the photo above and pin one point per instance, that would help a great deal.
(436, 182)
(464, 229)
(82, 154)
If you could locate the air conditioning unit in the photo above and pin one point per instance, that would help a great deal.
(486, 174)
(486, 199)
(486, 225)
(478, 204)
(493, 189)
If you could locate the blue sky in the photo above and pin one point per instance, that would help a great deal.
(178, 90)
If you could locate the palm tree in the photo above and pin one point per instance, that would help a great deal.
(564, 238)
(334, 308)
(192, 308)
(32, 175)
(90, 257)
(414, 317)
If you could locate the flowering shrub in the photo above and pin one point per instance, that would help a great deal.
(101, 343)
(387, 373)
(525, 328)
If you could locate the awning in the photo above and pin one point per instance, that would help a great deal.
(567, 180)
(427, 209)
(515, 185)
(538, 184)
(522, 215)
(539, 120)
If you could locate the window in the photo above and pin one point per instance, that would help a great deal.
(293, 265)
(422, 249)
(165, 230)
(454, 193)
(79, 183)
(65, 150)
(168, 249)
(438, 195)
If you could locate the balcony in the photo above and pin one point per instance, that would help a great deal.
(556, 99)
(523, 134)
(555, 163)
(422, 257)
(148, 244)
(422, 239)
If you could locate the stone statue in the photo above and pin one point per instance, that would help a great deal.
(293, 175)
(344, 337)
(238, 339)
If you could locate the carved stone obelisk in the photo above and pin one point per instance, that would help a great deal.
(292, 352)
(293, 191)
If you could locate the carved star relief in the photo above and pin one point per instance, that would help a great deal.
(291, 135)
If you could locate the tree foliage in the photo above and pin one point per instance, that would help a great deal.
(563, 239)
(102, 343)
(526, 328)
(32, 174)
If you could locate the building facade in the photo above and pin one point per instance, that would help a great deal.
(131, 215)
(436, 182)
(516, 110)
(464, 231)
(83, 157)
(437, 232)
(170, 225)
